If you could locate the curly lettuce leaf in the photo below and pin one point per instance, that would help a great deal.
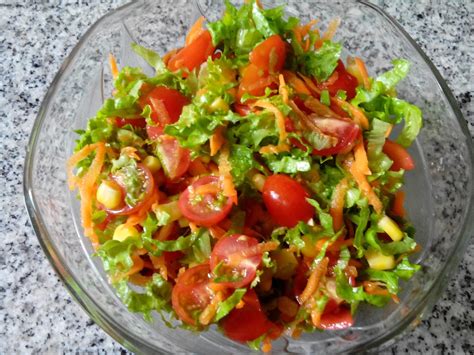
(225, 307)
(407, 244)
(322, 62)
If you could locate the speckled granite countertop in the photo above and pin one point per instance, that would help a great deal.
(37, 315)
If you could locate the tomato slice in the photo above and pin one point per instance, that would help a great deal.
(194, 54)
(191, 293)
(246, 323)
(244, 272)
(173, 101)
(285, 200)
(340, 318)
(254, 81)
(399, 155)
(138, 122)
(241, 109)
(344, 81)
(174, 159)
(269, 55)
(207, 208)
(149, 187)
(154, 132)
(346, 132)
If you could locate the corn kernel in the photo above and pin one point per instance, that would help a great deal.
(286, 263)
(258, 180)
(152, 163)
(391, 228)
(125, 231)
(309, 250)
(108, 195)
(378, 261)
(219, 104)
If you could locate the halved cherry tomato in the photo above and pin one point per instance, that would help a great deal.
(207, 208)
(254, 81)
(191, 293)
(244, 272)
(138, 122)
(241, 109)
(399, 155)
(194, 54)
(246, 323)
(346, 132)
(285, 200)
(154, 132)
(269, 55)
(344, 81)
(174, 159)
(172, 100)
(149, 185)
(337, 319)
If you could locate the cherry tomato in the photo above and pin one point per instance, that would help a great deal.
(138, 122)
(243, 272)
(254, 81)
(344, 81)
(154, 132)
(207, 208)
(241, 109)
(149, 187)
(173, 101)
(399, 155)
(285, 200)
(194, 54)
(346, 132)
(246, 323)
(269, 55)
(337, 319)
(191, 293)
(174, 159)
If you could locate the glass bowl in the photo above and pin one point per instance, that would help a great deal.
(439, 191)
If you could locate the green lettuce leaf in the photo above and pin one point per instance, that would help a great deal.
(405, 245)
(378, 160)
(151, 57)
(156, 297)
(117, 255)
(242, 161)
(288, 162)
(225, 307)
(320, 63)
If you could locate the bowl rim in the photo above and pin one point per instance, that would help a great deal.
(114, 329)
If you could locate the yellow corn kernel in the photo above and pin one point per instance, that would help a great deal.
(391, 228)
(258, 180)
(152, 163)
(309, 250)
(378, 261)
(125, 231)
(108, 195)
(286, 263)
(219, 104)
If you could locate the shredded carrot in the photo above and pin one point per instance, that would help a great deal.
(274, 149)
(397, 204)
(331, 30)
(216, 232)
(279, 118)
(363, 72)
(86, 184)
(139, 280)
(142, 213)
(357, 115)
(313, 281)
(296, 83)
(210, 311)
(283, 90)
(225, 175)
(160, 109)
(113, 66)
(267, 345)
(193, 227)
(195, 31)
(364, 185)
(361, 159)
(319, 108)
(159, 263)
(131, 152)
(217, 140)
(207, 189)
(164, 232)
(389, 130)
(337, 204)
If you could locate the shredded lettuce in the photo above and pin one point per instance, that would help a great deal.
(322, 62)
(405, 245)
(225, 307)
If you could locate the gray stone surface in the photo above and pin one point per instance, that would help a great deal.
(36, 313)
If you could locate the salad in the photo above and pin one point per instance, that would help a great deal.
(254, 179)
